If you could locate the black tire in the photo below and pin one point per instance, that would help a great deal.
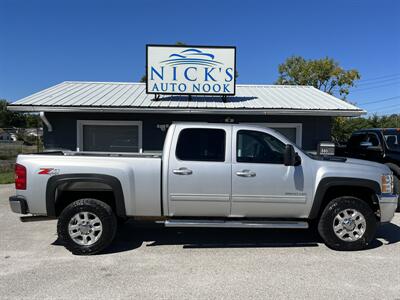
(396, 184)
(325, 225)
(102, 210)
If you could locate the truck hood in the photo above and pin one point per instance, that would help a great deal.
(349, 162)
(360, 162)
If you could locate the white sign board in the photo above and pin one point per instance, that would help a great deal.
(190, 70)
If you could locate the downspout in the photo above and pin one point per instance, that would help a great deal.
(45, 121)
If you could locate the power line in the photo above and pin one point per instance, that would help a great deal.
(357, 88)
(377, 82)
(387, 107)
(380, 100)
(375, 87)
(379, 77)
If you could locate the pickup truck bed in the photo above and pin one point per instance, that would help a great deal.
(139, 176)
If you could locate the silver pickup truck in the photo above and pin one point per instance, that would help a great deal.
(209, 175)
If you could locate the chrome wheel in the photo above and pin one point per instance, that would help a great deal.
(349, 225)
(85, 228)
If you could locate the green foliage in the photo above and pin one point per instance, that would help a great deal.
(344, 126)
(7, 177)
(16, 119)
(327, 75)
(324, 74)
(9, 151)
(33, 121)
(9, 118)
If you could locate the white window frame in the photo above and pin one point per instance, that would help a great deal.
(297, 126)
(81, 123)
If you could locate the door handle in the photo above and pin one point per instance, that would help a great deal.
(246, 173)
(182, 171)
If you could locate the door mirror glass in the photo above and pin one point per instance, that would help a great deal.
(291, 158)
(289, 155)
(297, 160)
(365, 144)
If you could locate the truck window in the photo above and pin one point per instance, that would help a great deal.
(356, 139)
(258, 147)
(392, 140)
(197, 144)
(373, 139)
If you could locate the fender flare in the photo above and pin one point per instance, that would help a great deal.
(112, 181)
(329, 182)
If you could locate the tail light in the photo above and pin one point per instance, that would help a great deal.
(20, 177)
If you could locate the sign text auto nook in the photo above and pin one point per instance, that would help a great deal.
(190, 70)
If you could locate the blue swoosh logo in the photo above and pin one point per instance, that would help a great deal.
(192, 56)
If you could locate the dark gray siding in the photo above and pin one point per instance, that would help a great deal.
(64, 134)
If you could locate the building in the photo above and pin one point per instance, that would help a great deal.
(121, 117)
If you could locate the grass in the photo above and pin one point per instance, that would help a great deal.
(11, 150)
(8, 155)
(6, 177)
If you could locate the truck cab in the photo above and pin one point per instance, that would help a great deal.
(375, 144)
(234, 171)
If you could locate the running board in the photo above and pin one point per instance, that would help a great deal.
(236, 224)
(35, 218)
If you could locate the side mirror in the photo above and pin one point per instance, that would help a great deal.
(374, 148)
(291, 158)
(365, 144)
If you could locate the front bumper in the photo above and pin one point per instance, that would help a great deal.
(388, 205)
(18, 205)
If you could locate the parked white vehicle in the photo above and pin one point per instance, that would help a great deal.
(209, 175)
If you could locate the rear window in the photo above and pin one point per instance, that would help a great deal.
(197, 144)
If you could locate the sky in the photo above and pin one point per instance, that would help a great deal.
(45, 42)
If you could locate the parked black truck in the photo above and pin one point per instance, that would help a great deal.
(375, 144)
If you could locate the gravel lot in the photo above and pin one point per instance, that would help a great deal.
(150, 261)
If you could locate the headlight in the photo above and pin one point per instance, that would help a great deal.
(387, 183)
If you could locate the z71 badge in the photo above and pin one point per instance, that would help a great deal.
(48, 171)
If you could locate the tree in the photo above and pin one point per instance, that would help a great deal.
(324, 74)
(17, 119)
(343, 127)
(9, 118)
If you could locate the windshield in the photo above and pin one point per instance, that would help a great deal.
(392, 140)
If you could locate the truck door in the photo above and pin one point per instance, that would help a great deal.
(199, 171)
(262, 186)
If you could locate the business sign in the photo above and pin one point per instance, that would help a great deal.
(190, 70)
